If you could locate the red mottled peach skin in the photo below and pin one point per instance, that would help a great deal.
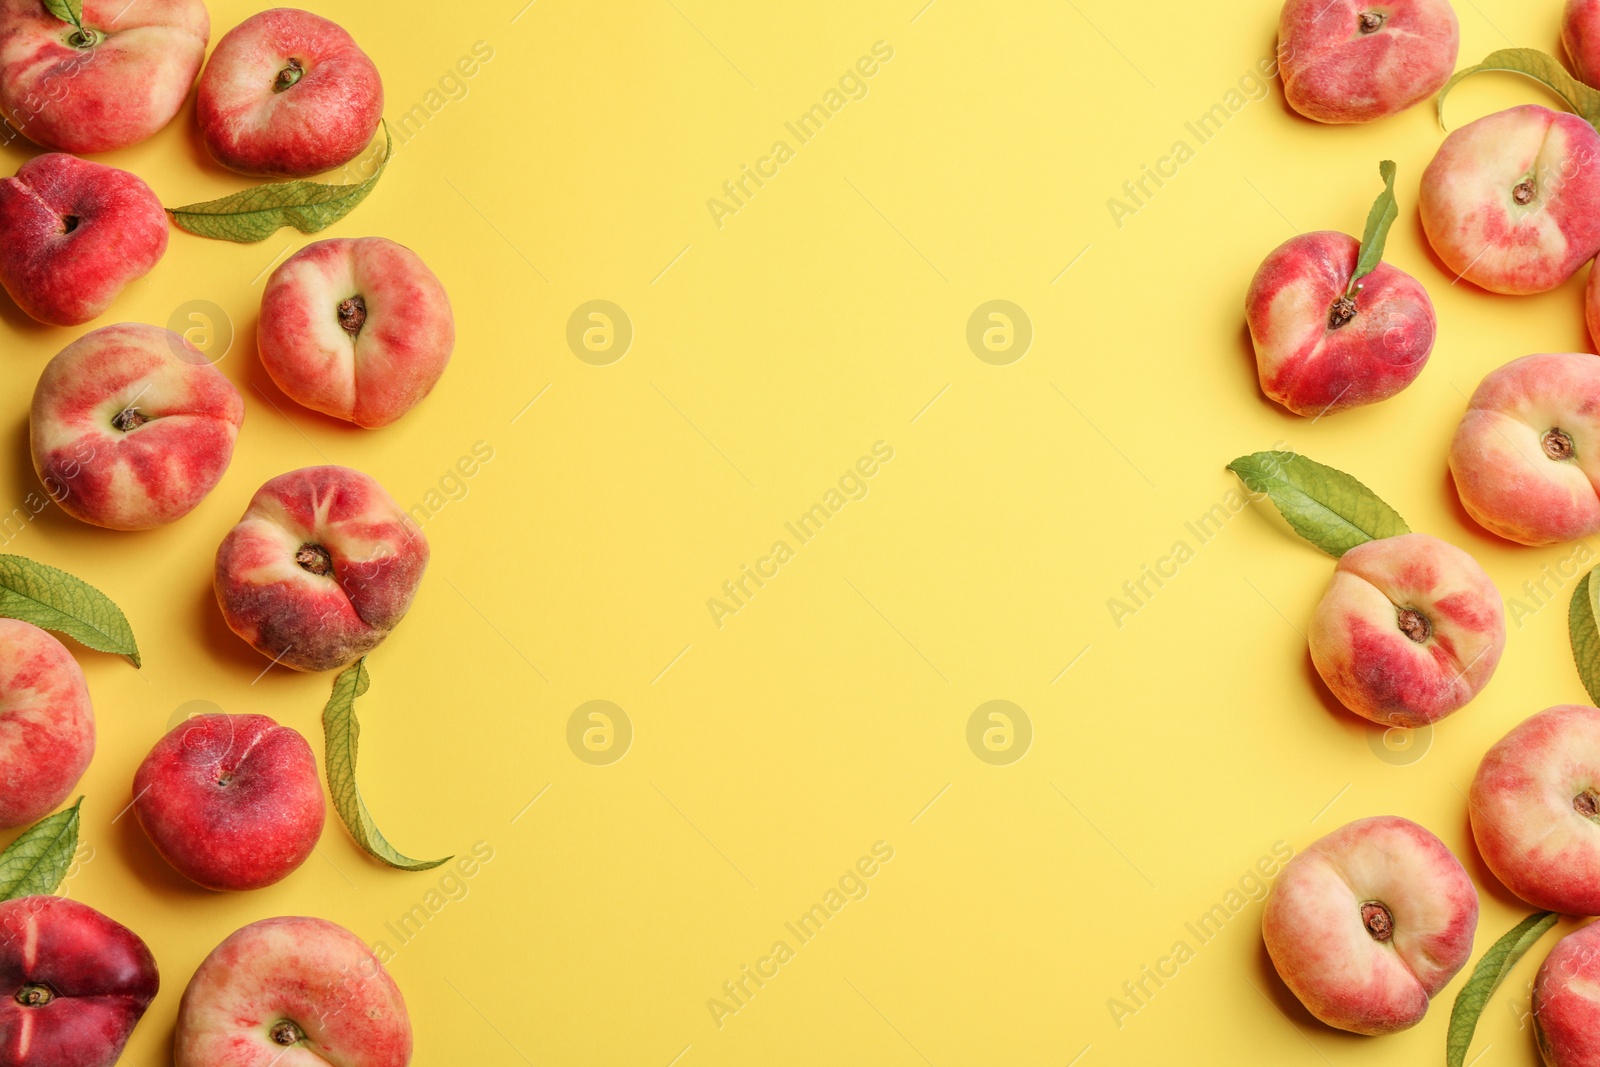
(76, 984)
(1410, 629)
(1354, 61)
(116, 87)
(1566, 1001)
(1580, 36)
(1535, 806)
(1368, 923)
(288, 93)
(231, 801)
(1316, 355)
(131, 427)
(73, 234)
(46, 723)
(1511, 202)
(359, 329)
(320, 569)
(292, 990)
(1526, 455)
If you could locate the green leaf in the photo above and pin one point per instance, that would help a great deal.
(1583, 624)
(343, 735)
(1325, 506)
(34, 864)
(55, 600)
(256, 214)
(68, 11)
(1486, 978)
(1542, 68)
(1379, 219)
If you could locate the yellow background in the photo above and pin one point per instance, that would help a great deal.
(831, 712)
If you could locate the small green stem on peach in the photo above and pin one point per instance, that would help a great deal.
(291, 73)
(34, 995)
(84, 38)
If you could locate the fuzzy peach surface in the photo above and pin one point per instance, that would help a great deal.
(308, 971)
(1336, 71)
(1525, 803)
(322, 121)
(46, 723)
(1378, 670)
(114, 93)
(1314, 931)
(1313, 367)
(178, 441)
(1526, 456)
(389, 363)
(375, 556)
(73, 233)
(1511, 202)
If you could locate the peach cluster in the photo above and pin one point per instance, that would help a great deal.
(132, 427)
(1370, 922)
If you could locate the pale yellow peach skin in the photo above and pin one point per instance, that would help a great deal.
(1367, 924)
(1526, 455)
(1410, 629)
(1535, 805)
(1511, 202)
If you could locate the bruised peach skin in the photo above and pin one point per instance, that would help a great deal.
(1367, 924)
(322, 566)
(1317, 353)
(359, 329)
(118, 85)
(1511, 202)
(292, 991)
(1354, 61)
(1526, 455)
(1566, 1001)
(1410, 629)
(1580, 36)
(1535, 806)
(73, 234)
(231, 801)
(46, 723)
(288, 93)
(131, 427)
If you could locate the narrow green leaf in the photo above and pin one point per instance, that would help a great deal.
(1583, 624)
(34, 864)
(1325, 506)
(55, 600)
(1486, 978)
(256, 214)
(68, 11)
(343, 735)
(1542, 68)
(1379, 219)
